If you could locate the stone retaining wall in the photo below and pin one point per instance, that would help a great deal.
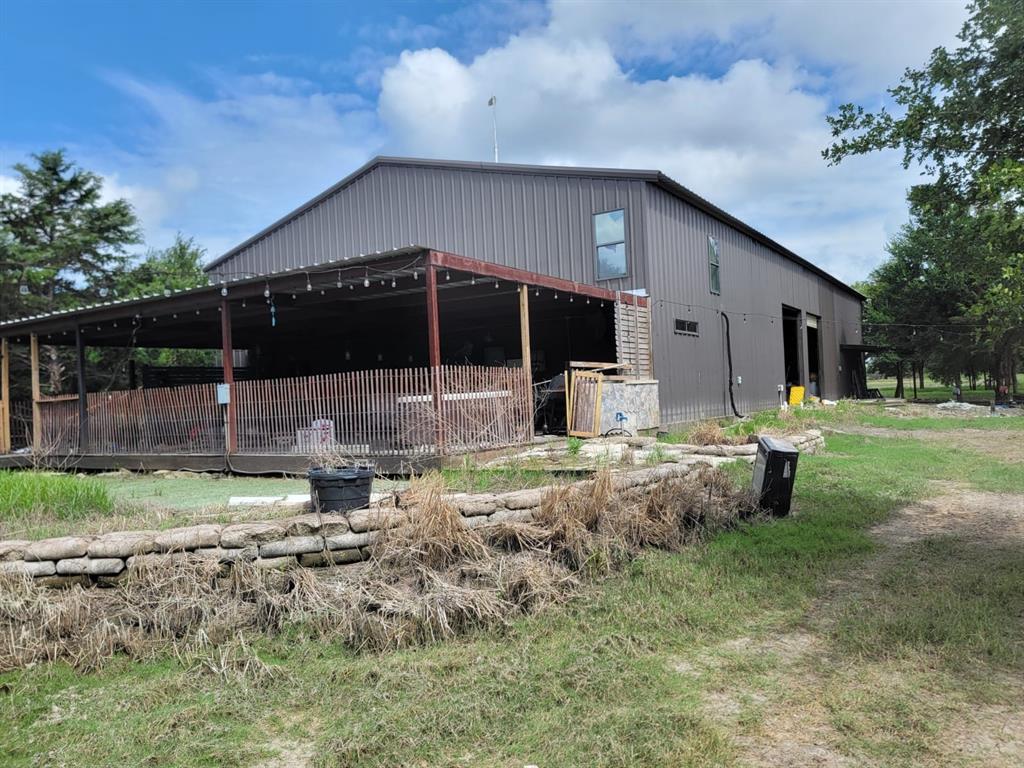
(307, 539)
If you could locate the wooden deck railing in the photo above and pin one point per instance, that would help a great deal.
(402, 412)
(183, 419)
(386, 412)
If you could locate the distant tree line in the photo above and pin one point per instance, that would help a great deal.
(62, 247)
(950, 297)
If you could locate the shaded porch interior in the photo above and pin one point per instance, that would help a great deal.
(408, 354)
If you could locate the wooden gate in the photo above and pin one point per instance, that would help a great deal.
(584, 403)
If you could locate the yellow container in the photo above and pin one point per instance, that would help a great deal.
(796, 395)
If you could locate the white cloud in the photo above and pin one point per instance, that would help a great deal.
(8, 184)
(864, 45)
(748, 139)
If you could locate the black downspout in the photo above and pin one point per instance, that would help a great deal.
(728, 350)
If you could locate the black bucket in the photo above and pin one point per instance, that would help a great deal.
(340, 490)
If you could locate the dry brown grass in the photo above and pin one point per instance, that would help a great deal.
(572, 516)
(429, 580)
(678, 512)
(708, 433)
(435, 535)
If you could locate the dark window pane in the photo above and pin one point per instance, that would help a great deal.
(611, 261)
(609, 227)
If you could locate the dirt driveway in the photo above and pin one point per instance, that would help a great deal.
(816, 704)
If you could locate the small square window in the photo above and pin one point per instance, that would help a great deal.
(714, 267)
(687, 327)
(610, 244)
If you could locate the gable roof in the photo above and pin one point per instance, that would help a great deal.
(657, 178)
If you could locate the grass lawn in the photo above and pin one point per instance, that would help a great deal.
(806, 633)
(186, 492)
(934, 390)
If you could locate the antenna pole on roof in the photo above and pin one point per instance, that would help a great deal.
(493, 104)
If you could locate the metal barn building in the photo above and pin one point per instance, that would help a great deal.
(542, 219)
(412, 309)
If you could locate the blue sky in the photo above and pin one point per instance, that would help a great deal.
(214, 118)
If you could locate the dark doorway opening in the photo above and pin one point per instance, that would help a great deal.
(791, 347)
(814, 383)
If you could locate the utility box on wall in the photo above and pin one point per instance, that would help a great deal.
(774, 474)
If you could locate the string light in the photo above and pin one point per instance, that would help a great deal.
(393, 282)
(266, 291)
(223, 290)
(447, 275)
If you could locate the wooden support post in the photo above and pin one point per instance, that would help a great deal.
(37, 419)
(524, 328)
(228, 363)
(83, 401)
(434, 351)
(5, 396)
(524, 344)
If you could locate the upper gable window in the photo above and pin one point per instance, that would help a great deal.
(610, 242)
(714, 267)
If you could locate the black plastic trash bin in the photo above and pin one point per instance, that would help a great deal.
(342, 489)
(774, 474)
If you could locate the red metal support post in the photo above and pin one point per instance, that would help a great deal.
(228, 362)
(433, 331)
(434, 348)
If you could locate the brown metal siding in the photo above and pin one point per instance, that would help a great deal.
(756, 281)
(529, 221)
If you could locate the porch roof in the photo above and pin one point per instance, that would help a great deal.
(175, 318)
(188, 319)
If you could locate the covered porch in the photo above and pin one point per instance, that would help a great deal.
(404, 357)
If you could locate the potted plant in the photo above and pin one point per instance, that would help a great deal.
(337, 484)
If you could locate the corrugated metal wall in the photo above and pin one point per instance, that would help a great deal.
(756, 281)
(526, 220)
(543, 223)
